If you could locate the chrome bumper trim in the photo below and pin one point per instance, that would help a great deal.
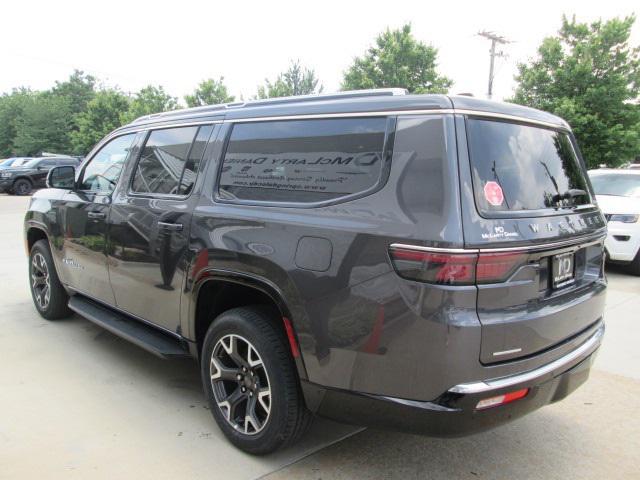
(489, 385)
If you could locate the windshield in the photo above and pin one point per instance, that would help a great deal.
(6, 162)
(617, 184)
(518, 167)
(31, 163)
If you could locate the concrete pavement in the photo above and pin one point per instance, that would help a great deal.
(78, 402)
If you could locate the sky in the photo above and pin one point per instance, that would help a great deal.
(176, 44)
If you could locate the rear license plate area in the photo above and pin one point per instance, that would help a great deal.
(563, 268)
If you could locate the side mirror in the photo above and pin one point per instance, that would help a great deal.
(62, 177)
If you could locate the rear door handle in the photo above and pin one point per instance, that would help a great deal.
(96, 215)
(174, 227)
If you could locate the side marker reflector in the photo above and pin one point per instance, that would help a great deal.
(502, 399)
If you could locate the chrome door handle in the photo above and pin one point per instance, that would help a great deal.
(96, 215)
(174, 227)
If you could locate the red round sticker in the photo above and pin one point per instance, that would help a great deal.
(493, 193)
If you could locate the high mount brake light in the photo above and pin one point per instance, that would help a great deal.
(455, 268)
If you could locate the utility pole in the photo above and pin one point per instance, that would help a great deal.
(495, 40)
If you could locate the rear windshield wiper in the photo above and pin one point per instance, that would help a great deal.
(569, 195)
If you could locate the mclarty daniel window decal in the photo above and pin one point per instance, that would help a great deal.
(332, 172)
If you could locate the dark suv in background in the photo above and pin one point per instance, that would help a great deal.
(424, 263)
(32, 174)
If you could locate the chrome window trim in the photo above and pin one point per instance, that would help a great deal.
(484, 386)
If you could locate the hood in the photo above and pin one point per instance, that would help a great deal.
(610, 204)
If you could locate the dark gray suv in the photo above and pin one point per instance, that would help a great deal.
(423, 263)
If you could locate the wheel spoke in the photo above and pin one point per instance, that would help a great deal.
(264, 398)
(221, 372)
(250, 418)
(230, 404)
(253, 359)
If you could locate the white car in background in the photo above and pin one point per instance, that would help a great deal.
(618, 195)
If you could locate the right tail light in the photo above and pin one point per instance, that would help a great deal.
(455, 268)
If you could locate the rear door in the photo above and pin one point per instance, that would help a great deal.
(84, 214)
(149, 224)
(528, 207)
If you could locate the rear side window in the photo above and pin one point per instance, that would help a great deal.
(302, 161)
(518, 168)
(162, 161)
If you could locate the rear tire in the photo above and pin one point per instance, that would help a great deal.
(250, 381)
(22, 186)
(49, 296)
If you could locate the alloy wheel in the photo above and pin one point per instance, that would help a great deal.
(40, 280)
(240, 384)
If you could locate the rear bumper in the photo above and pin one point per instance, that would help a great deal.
(454, 413)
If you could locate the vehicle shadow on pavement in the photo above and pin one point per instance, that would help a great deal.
(580, 437)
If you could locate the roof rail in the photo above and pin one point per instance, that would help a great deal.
(373, 92)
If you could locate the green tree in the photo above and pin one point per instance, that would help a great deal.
(297, 80)
(79, 90)
(149, 100)
(589, 75)
(397, 60)
(11, 110)
(102, 115)
(43, 125)
(209, 92)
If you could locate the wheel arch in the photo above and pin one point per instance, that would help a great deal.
(33, 234)
(219, 291)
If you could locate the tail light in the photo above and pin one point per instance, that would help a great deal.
(454, 268)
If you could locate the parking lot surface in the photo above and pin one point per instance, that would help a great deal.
(78, 402)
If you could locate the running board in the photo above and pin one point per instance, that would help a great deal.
(141, 334)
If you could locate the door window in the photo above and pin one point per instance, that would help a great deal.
(103, 170)
(162, 162)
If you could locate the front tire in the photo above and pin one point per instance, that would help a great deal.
(22, 186)
(634, 266)
(49, 296)
(250, 381)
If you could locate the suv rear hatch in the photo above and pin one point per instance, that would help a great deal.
(528, 210)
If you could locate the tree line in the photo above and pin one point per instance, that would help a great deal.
(588, 74)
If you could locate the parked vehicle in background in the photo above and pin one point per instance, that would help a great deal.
(32, 174)
(13, 162)
(618, 195)
(423, 263)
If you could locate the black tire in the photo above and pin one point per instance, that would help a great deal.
(288, 417)
(43, 276)
(634, 266)
(22, 186)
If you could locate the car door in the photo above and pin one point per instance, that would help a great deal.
(149, 224)
(39, 177)
(84, 216)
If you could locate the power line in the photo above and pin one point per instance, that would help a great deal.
(495, 40)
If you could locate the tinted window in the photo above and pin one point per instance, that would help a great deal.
(163, 160)
(103, 170)
(517, 167)
(621, 185)
(196, 153)
(302, 160)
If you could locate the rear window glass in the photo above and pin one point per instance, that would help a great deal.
(619, 185)
(517, 167)
(302, 160)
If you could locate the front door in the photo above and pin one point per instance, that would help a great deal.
(149, 225)
(84, 216)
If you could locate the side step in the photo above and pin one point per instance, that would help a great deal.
(145, 336)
